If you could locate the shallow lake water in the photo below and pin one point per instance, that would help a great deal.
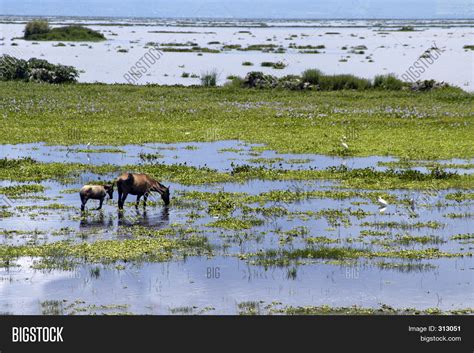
(219, 155)
(386, 49)
(159, 288)
(218, 283)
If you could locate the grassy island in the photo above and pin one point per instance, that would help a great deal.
(39, 30)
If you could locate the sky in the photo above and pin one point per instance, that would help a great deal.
(310, 9)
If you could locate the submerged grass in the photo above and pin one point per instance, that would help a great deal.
(28, 169)
(285, 257)
(357, 310)
(148, 245)
(19, 190)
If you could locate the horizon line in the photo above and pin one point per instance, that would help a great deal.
(247, 18)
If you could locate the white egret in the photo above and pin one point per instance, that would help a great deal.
(412, 202)
(382, 202)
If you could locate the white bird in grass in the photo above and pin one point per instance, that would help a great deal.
(382, 202)
(343, 143)
(412, 202)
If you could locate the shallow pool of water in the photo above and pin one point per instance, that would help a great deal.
(224, 279)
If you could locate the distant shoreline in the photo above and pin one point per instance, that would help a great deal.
(287, 19)
(383, 23)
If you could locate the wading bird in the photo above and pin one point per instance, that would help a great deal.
(382, 202)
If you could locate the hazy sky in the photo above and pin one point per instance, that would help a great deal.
(244, 8)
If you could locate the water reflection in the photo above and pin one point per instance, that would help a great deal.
(144, 218)
(96, 221)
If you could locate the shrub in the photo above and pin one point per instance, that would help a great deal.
(257, 79)
(64, 74)
(390, 82)
(315, 79)
(292, 82)
(339, 82)
(234, 82)
(36, 27)
(247, 63)
(37, 70)
(35, 63)
(209, 79)
(13, 69)
(311, 76)
(427, 85)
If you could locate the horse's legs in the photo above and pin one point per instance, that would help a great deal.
(122, 200)
(119, 199)
(83, 202)
(145, 197)
(101, 202)
(138, 201)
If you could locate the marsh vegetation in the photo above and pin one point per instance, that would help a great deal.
(304, 193)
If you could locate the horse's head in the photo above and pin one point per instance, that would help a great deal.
(164, 192)
(109, 189)
(165, 196)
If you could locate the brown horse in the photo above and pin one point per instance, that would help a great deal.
(139, 185)
(95, 192)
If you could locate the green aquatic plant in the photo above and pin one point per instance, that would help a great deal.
(321, 240)
(460, 196)
(27, 169)
(236, 223)
(467, 236)
(285, 257)
(154, 248)
(383, 309)
(460, 215)
(249, 308)
(408, 267)
(15, 191)
(99, 150)
(403, 225)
